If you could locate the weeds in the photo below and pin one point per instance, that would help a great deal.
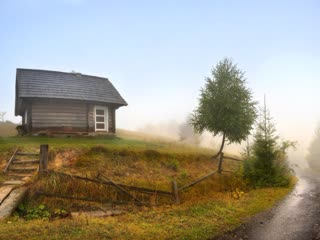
(173, 164)
(237, 194)
(184, 174)
(39, 212)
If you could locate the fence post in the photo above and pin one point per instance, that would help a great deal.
(220, 163)
(43, 163)
(175, 192)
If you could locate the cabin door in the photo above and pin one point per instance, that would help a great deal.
(101, 118)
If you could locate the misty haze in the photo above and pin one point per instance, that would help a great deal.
(159, 119)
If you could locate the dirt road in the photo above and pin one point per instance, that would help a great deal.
(295, 218)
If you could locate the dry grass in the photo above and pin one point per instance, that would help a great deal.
(147, 168)
(153, 164)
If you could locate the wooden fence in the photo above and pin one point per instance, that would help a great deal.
(219, 171)
(127, 189)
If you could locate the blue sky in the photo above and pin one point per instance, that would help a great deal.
(158, 53)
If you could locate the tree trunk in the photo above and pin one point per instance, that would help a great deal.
(221, 147)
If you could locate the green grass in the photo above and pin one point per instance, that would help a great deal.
(136, 159)
(120, 141)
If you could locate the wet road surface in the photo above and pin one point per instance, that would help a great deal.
(295, 218)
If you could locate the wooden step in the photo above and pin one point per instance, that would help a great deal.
(5, 191)
(13, 182)
(11, 202)
(19, 175)
(23, 169)
(16, 161)
(26, 178)
(27, 154)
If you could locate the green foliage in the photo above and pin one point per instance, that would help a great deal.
(184, 174)
(40, 211)
(266, 165)
(226, 106)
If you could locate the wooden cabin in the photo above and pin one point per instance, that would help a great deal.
(61, 102)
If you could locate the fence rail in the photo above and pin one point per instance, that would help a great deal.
(106, 182)
(85, 199)
(234, 159)
(197, 181)
(126, 189)
(219, 170)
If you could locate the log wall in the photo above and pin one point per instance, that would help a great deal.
(59, 114)
(66, 116)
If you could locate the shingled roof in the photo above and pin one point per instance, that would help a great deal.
(34, 83)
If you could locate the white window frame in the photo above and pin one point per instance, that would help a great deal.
(105, 109)
(26, 116)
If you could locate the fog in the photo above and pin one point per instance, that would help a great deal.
(182, 131)
(313, 156)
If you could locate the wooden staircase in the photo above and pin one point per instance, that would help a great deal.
(22, 165)
(19, 168)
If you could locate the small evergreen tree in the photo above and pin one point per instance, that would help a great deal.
(267, 165)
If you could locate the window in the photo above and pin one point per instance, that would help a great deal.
(101, 118)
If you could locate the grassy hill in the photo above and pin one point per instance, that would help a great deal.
(142, 160)
(7, 129)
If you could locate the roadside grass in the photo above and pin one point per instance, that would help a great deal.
(204, 218)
